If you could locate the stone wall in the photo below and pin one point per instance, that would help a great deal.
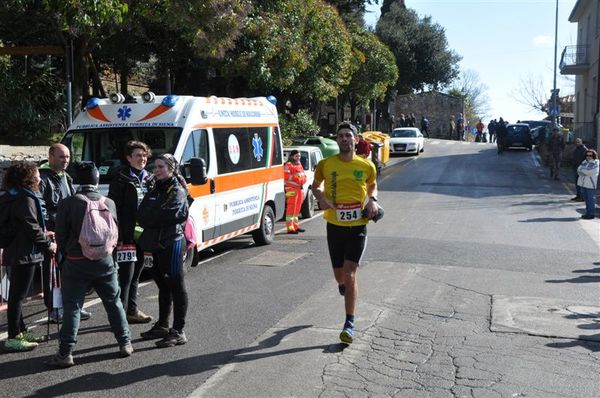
(437, 107)
(12, 154)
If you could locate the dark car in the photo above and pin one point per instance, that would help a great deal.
(518, 135)
(540, 130)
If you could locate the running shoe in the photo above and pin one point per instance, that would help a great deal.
(156, 332)
(19, 344)
(346, 336)
(138, 316)
(126, 350)
(61, 361)
(174, 338)
(30, 337)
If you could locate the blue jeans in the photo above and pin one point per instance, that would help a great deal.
(589, 194)
(77, 277)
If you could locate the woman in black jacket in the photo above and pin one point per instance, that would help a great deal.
(162, 214)
(26, 251)
(127, 190)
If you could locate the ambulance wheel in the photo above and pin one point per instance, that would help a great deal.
(266, 233)
(308, 206)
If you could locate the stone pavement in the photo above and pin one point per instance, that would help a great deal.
(420, 336)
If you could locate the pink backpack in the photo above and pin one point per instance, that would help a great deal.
(99, 233)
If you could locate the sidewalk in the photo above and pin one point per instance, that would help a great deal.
(418, 336)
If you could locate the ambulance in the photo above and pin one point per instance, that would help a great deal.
(229, 151)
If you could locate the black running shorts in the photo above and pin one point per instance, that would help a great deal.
(346, 243)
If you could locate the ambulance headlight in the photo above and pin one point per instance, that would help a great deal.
(272, 99)
(148, 96)
(92, 103)
(117, 98)
(170, 100)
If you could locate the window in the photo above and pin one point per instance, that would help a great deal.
(106, 147)
(196, 147)
(245, 148)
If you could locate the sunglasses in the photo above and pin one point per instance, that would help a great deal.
(589, 155)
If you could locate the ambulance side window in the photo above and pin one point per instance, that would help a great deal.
(196, 147)
(277, 158)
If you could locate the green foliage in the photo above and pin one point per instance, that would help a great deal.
(296, 125)
(376, 69)
(420, 47)
(32, 106)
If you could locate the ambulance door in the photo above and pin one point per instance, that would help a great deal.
(203, 209)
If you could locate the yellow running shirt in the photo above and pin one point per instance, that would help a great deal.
(346, 187)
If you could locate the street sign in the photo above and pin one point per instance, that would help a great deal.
(554, 110)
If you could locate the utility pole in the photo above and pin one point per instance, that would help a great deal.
(554, 92)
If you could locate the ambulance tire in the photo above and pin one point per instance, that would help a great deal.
(265, 235)
(308, 206)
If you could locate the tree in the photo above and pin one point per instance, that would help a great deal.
(421, 49)
(298, 49)
(532, 93)
(375, 70)
(473, 92)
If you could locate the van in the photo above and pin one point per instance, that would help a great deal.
(229, 151)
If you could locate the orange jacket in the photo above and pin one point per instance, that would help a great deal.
(294, 175)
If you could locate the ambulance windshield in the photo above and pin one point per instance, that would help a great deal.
(105, 147)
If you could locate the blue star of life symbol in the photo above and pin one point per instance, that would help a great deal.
(257, 145)
(124, 113)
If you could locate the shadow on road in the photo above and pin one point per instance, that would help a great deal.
(182, 367)
(551, 219)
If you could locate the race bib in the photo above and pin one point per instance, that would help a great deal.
(148, 260)
(126, 253)
(351, 212)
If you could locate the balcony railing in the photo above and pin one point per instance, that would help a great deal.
(574, 60)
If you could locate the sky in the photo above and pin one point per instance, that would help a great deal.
(505, 42)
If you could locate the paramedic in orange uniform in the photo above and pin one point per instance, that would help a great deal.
(294, 180)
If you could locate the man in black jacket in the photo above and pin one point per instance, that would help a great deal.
(56, 185)
(578, 157)
(79, 273)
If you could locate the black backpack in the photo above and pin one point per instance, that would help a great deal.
(7, 230)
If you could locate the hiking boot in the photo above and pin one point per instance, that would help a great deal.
(126, 350)
(30, 337)
(174, 338)
(19, 344)
(575, 199)
(61, 361)
(84, 315)
(156, 332)
(347, 334)
(138, 316)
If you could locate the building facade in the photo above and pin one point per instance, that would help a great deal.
(581, 60)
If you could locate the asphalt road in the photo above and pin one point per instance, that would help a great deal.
(458, 213)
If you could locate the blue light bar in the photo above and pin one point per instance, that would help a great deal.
(170, 100)
(272, 99)
(92, 103)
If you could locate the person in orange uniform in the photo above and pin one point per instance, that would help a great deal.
(294, 180)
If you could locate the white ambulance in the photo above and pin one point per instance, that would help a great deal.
(229, 150)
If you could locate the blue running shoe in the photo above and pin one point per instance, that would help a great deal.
(347, 333)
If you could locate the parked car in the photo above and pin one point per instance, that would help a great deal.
(309, 157)
(407, 140)
(327, 146)
(540, 130)
(518, 135)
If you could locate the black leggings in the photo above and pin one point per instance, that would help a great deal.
(21, 277)
(168, 275)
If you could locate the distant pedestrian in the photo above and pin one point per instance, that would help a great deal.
(556, 147)
(492, 130)
(26, 250)
(363, 147)
(451, 127)
(501, 132)
(578, 157)
(402, 122)
(425, 126)
(412, 120)
(81, 270)
(588, 180)
(460, 126)
(479, 131)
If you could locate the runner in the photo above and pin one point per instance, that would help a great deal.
(349, 189)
